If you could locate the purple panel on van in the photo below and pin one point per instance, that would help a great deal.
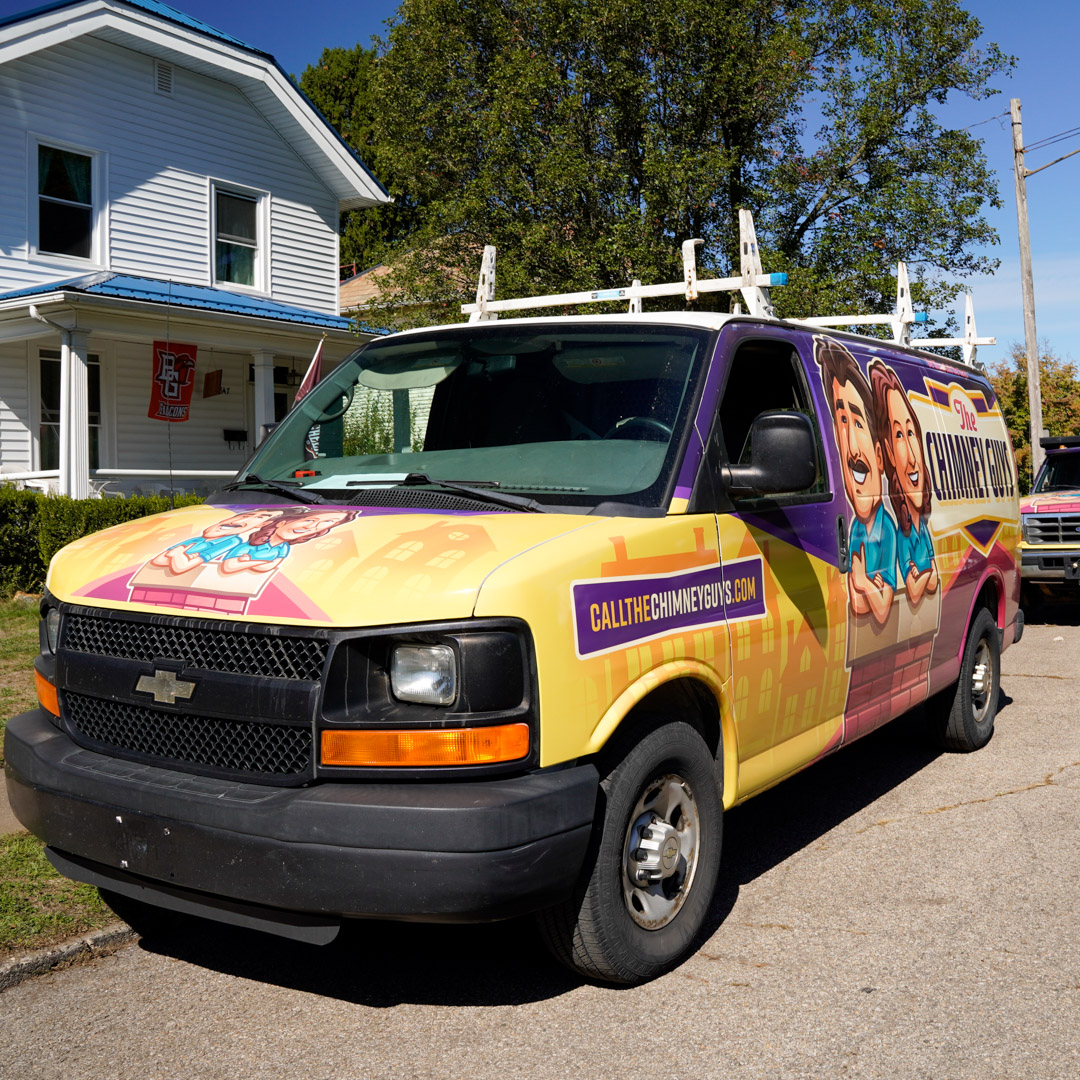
(613, 613)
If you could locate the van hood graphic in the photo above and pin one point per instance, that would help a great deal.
(1064, 502)
(312, 564)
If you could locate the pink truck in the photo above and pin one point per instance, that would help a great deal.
(1050, 548)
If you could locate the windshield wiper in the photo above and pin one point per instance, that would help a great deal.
(480, 490)
(292, 491)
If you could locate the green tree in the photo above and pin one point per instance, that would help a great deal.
(587, 139)
(1059, 382)
(341, 86)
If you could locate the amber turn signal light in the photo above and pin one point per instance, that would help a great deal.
(455, 746)
(46, 693)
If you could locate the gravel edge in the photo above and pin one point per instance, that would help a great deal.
(98, 943)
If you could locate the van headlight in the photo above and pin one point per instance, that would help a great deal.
(426, 674)
(52, 629)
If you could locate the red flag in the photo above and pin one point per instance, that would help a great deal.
(314, 374)
(173, 381)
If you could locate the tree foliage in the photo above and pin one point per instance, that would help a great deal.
(587, 139)
(342, 87)
(1059, 381)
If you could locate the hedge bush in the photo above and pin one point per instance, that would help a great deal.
(33, 527)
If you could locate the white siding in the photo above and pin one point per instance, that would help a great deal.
(198, 443)
(15, 443)
(160, 154)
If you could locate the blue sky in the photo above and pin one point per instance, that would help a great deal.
(1042, 34)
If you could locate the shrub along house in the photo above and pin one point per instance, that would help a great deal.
(169, 207)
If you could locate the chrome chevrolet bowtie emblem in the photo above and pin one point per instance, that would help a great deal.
(165, 687)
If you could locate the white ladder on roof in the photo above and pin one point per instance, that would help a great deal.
(752, 282)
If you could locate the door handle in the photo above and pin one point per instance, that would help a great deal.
(843, 555)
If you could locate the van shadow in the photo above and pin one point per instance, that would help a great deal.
(1053, 611)
(383, 964)
(761, 834)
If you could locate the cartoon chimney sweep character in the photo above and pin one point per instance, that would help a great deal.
(909, 482)
(270, 545)
(872, 540)
(215, 542)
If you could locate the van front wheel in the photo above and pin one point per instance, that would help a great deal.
(645, 892)
(962, 717)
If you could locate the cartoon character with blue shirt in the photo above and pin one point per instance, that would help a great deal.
(266, 548)
(872, 539)
(215, 542)
(909, 482)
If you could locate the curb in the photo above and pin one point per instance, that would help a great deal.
(99, 943)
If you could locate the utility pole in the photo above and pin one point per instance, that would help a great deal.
(1027, 283)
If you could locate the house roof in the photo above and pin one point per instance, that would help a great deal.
(362, 288)
(164, 10)
(165, 33)
(203, 297)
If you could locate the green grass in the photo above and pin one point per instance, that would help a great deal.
(38, 907)
(18, 647)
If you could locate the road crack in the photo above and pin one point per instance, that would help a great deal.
(1025, 675)
(1050, 780)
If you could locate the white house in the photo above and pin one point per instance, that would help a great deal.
(160, 182)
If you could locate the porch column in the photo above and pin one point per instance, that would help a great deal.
(264, 391)
(75, 420)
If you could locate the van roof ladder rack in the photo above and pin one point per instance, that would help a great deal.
(905, 316)
(969, 343)
(901, 322)
(753, 284)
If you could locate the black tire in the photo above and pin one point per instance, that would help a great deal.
(962, 717)
(146, 920)
(620, 930)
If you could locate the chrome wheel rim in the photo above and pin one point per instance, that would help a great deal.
(660, 852)
(982, 682)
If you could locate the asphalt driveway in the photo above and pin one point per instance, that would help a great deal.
(891, 912)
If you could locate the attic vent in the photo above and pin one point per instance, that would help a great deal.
(162, 77)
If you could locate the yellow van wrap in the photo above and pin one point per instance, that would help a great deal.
(351, 567)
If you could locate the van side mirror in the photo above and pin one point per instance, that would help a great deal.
(782, 456)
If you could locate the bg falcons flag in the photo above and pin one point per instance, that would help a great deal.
(174, 378)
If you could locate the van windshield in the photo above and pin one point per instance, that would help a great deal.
(568, 416)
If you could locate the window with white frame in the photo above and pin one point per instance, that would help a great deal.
(49, 429)
(237, 253)
(65, 202)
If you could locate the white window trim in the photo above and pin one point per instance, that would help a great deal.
(262, 230)
(99, 220)
(107, 377)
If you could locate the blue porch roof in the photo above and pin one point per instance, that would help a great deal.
(201, 297)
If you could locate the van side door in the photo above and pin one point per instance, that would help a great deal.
(785, 587)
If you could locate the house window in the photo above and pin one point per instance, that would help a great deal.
(65, 202)
(236, 237)
(49, 431)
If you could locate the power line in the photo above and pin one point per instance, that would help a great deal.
(1052, 139)
(978, 123)
(1032, 172)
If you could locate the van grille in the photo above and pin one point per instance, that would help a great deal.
(209, 648)
(1053, 529)
(251, 748)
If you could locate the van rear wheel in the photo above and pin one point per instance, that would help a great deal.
(962, 717)
(646, 890)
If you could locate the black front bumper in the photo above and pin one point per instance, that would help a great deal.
(461, 852)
